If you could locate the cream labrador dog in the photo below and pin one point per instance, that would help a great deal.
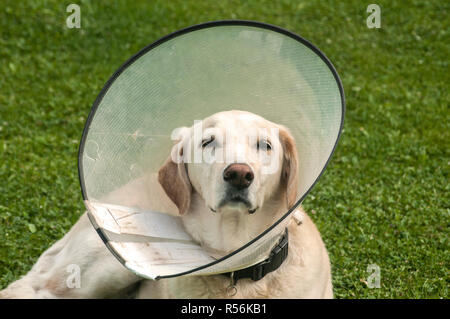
(223, 205)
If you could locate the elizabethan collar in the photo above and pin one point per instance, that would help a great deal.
(187, 76)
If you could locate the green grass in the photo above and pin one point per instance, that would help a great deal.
(384, 197)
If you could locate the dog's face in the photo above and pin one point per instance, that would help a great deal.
(234, 179)
(236, 163)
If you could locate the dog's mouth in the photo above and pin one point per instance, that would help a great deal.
(235, 200)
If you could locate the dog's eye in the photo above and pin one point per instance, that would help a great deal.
(208, 141)
(264, 144)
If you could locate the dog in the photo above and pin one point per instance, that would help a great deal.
(222, 204)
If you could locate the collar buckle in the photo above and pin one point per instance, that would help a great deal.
(275, 259)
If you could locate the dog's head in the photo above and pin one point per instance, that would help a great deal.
(234, 163)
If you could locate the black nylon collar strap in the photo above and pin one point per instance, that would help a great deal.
(258, 271)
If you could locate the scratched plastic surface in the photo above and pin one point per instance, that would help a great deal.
(188, 78)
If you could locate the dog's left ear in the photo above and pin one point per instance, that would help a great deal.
(289, 173)
(174, 180)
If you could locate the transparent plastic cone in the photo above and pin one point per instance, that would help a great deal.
(185, 77)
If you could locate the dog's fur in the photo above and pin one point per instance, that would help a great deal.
(199, 193)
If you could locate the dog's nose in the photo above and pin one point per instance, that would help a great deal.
(238, 175)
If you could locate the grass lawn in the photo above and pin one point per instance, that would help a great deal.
(384, 197)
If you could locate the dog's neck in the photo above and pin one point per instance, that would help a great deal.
(223, 232)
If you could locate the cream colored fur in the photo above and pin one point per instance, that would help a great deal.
(196, 195)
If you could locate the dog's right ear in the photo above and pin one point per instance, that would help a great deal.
(175, 182)
(173, 175)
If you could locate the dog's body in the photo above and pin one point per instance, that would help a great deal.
(304, 274)
(223, 206)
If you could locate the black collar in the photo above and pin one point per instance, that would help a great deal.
(258, 271)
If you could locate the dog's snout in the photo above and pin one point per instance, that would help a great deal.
(238, 175)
